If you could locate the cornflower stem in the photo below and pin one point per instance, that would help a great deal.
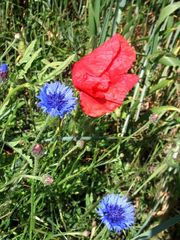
(32, 177)
(33, 206)
(60, 132)
(34, 172)
(64, 157)
(39, 134)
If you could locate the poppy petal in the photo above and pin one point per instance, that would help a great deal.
(124, 59)
(113, 98)
(96, 107)
(117, 91)
(97, 61)
(92, 85)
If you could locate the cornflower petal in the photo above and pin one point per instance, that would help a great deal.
(3, 71)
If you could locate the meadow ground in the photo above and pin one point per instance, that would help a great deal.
(54, 192)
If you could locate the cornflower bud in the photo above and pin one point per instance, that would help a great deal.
(154, 117)
(47, 180)
(37, 149)
(80, 143)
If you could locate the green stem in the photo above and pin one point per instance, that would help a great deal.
(35, 169)
(32, 177)
(33, 205)
(7, 49)
(64, 157)
(39, 134)
(60, 129)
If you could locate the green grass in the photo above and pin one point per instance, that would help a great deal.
(124, 152)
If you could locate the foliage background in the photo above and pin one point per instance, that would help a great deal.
(133, 151)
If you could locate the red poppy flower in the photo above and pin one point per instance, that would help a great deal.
(101, 77)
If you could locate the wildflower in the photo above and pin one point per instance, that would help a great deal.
(101, 77)
(56, 99)
(3, 72)
(116, 212)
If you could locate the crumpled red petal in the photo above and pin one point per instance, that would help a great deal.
(124, 59)
(117, 91)
(113, 98)
(96, 62)
(96, 107)
(92, 84)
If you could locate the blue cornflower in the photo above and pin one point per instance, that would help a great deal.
(56, 99)
(3, 71)
(116, 212)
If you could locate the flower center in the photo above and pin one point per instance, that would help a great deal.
(115, 214)
(56, 100)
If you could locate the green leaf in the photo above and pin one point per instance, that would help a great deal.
(33, 57)
(117, 16)
(160, 85)
(166, 11)
(91, 19)
(106, 23)
(27, 55)
(170, 61)
(162, 168)
(19, 151)
(97, 13)
(53, 65)
(161, 227)
(59, 69)
(29, 63)
(164, 109)
(12, 92)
